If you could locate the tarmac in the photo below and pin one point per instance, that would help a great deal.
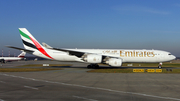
(75, 84)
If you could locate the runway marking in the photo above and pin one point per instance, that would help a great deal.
(97, 88)
(2, 82)
(31, 87)
(1, 100)
(84, 98)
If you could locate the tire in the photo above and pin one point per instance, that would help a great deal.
(97, 66)
(89, 66)
(94, 66)
(159, 67)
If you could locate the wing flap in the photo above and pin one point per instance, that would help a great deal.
(71, 52)
(81, 54)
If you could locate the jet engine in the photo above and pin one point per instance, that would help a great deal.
(114, 62)
(92, 58)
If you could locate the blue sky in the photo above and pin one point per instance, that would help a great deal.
(97, 24)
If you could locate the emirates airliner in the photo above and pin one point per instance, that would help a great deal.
(112, 57)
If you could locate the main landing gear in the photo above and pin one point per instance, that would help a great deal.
(160, 65)
(93, 66)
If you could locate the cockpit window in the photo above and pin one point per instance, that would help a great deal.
(169, 54)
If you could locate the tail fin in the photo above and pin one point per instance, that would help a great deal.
(30, 43)
(22, 55)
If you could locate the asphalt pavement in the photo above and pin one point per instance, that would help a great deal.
(75, 84)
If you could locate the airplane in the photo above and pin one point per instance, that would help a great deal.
(111, 57)
(19, 57)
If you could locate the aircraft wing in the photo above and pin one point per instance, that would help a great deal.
(80, 54)
(71, 52)
(74, 52)
(25, 50)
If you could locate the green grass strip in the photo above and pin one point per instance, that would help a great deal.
(131, 71)
(27, 69)
(41, 65)
(165, 64)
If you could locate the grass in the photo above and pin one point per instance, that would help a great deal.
(32, 68)
(131, 71)
(173, 71)
(29, 68)
(41, 65)
(26, 69)
(110, 71)
(165, 64)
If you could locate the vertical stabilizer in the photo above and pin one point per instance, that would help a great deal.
(22, 55)
(30, 43)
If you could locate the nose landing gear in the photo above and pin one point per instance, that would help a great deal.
(160, 65)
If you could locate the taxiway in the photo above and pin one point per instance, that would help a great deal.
(75, 84)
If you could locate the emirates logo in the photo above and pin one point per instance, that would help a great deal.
(94, 59)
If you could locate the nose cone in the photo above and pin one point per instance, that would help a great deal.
(173, 57)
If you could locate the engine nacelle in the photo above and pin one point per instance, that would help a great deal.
(114, 62)
(91, 58)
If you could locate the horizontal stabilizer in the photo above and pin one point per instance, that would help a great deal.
(46, 45)
(22, 54)
(25, 50)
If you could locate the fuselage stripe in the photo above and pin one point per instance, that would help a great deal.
(40, 48)
(29, 44)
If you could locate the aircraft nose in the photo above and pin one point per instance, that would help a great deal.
(173, 57)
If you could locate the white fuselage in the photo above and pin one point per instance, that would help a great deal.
(148, 56)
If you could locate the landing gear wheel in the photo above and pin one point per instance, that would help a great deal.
(97, 66)
(159, 67)
(89, 66)
(94, 66)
